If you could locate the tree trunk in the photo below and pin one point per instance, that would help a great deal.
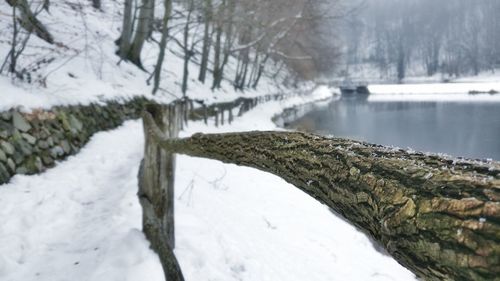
(253, 71)
(229, 20)
(96, 4)
(260, 72)
(13, 59)
(217, 73)
(437, 217)
(207, 38)
(163, 45)
(127, 28)
(188, 50)
(30, 22)
(144, 29)
(401, 61)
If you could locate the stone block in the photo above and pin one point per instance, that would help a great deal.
(7, 147)
(20, 122)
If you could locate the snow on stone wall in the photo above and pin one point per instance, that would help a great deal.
(32, 142)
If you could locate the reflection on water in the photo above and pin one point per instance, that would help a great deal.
(470, 130)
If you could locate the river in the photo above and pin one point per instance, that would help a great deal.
(467, 129)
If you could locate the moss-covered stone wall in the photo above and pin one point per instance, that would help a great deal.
(32, 142)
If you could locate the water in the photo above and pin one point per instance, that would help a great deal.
(467, 129)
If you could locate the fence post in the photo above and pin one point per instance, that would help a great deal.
(205, 114)
(231, 117)
(216, 117)
(186, 111)
(156, 185)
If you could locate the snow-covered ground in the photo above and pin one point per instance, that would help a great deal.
(82, 220)
(435, 88)
(436, 92)
(409, 97)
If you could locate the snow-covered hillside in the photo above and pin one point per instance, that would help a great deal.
(82, 67)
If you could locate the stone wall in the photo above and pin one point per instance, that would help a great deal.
(31, 143)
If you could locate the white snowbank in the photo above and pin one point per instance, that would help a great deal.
(436, 88)
(443, 92)
(434, 98)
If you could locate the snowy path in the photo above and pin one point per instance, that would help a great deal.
(81, 221)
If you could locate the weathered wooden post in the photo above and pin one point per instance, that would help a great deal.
(205, 114)
(191, 106)
(179, 107)
(216, 117)
(156, 185)
(186, 110)
(242, 108)
(222, 116)
(231, 117)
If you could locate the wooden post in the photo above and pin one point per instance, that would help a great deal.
(216, 117)
(179, 108)
(156, 187)
(241, 110)
(222, 117)
(205, 114)
(231, 117)
(191, 106)
(186, 111)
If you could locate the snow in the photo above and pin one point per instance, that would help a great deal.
(433, 88)
(443, 92)
(81, 220)
(409, 97)
(83, 67)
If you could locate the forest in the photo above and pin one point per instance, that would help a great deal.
(258, 34)
(400, 38)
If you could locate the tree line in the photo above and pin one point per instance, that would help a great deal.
(260, 36)
(453, 37)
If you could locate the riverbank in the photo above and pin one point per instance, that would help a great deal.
(458, 92)
(453, 124)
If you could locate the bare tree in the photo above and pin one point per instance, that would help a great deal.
(131, 48)
(29, 21)
(207, 40)
(455, 37)
(127, 29)
(163, 45)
